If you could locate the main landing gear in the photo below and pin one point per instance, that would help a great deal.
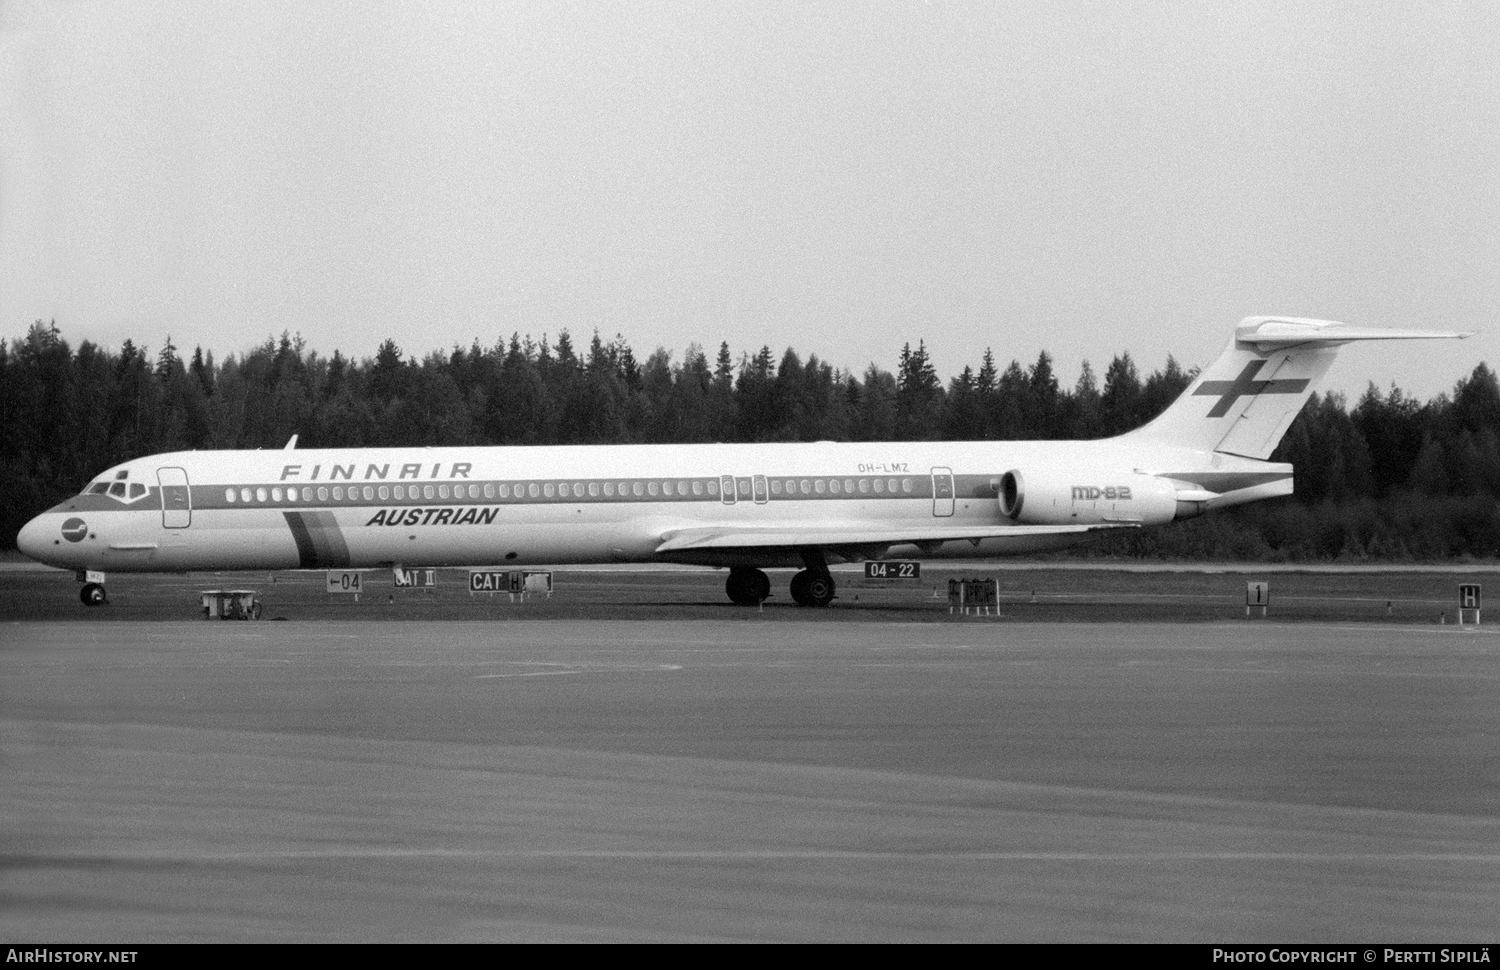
(747, 587)
(811, 589)
(812, 586)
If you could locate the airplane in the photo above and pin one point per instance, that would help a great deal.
(747, 507)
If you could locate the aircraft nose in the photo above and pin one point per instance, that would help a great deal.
(32, 541)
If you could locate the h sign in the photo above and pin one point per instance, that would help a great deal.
(1468, 597)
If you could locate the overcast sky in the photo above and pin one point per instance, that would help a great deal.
(838, 177)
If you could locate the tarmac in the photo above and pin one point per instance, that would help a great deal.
(545, 778)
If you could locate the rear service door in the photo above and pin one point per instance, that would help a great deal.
(176, 500)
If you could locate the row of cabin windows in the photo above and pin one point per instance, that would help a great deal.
(834, 486)
(505, 490)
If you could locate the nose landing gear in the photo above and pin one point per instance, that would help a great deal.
(93, 594)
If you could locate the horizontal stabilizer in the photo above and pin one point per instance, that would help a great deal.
(1271, 333)
(793, 536)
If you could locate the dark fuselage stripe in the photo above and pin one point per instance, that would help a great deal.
(306, 555)
(320, 542)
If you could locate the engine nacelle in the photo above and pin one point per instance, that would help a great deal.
(1047, 497)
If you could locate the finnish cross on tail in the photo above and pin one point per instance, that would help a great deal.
(1243, 402)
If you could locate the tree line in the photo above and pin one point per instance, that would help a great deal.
(1390, 479)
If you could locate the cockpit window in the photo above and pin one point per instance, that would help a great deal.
(137, 490)
(98, 488)
(117, 490)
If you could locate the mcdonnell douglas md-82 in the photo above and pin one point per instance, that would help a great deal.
(744, 507)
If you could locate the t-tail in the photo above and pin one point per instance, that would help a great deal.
(1243, 403)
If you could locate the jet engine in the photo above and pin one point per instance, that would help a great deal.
(1088, 497)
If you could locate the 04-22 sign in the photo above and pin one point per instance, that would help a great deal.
(894, 569)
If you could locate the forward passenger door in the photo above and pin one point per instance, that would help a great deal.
(176, 498)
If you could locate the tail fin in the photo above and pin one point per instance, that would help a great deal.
(1242, 403)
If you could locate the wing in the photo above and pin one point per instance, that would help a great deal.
(792, 536)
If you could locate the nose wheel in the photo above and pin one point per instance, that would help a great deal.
(93, 594)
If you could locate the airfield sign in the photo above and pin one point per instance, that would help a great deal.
(415, 578)
(489, 581)
(1257, 594)
(515, 582)
(345, 581)
(895, 569)
(1469, 598)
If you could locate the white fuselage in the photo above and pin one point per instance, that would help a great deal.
(591, 504)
